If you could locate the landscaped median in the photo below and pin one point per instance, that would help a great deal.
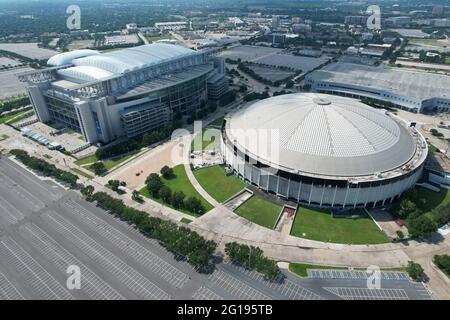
(321, 225)
(177, 183)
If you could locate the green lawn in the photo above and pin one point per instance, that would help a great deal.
(300, 269)
(81, 173)
(186, 220)
(319, 225)
(109, 164)
(16, 116)
(259, 211)
(180, 182)
(428, 200)
(86, 160)
(207, 144)
(217, 184)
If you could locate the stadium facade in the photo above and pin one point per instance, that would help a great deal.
(323, 150)
(410, 90)
(106, 96)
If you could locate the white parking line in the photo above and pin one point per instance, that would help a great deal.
(129, 276)
(33, 272)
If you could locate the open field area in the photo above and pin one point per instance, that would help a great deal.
(272, 56)
(217, 184)
(413, 33)
(80, 44)
(137, 170)
(8, 62)
(270, 73)
(29, 50)
(180, 182)
(259, 211)
(16, 116)
(442, 43)
(429, 200)
(316, 224)
(10, 85)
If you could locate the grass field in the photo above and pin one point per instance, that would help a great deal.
(16, 116)
(109, 164)
(315, 224)
(180, 182)
(186, 220)
(259, 211)
(217, 184)
(81, 173)
(300, 269)
(428, 200)
(207, 144)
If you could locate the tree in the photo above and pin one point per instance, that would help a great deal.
(114, 184)
(167, 172)
(165, 193)
(178, 200)
(194, 205)
(422, 226)
(415, 270)
(99, 168)
(87, 191)
(406, 208)
(442, 215)
(153, 183)
(443, 262)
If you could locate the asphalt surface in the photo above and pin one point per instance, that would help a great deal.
(44, 229)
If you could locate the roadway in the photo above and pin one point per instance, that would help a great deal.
(44, 229)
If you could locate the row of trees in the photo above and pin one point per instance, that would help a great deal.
(252, 258)
(45, 168)
(179, 240)
(137, 143)
(177, 199)
(256, 95)
(14, 103)
(116, 184)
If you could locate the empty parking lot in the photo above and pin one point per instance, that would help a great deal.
(45, 229)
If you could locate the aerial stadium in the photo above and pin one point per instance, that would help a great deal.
(124, 93)
(323, 150)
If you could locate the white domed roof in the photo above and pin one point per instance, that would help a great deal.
(322, 134)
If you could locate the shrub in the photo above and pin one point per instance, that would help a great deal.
(98, 168)
(443, 262)
(415, 270)
(167, 172)
(400, 234)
